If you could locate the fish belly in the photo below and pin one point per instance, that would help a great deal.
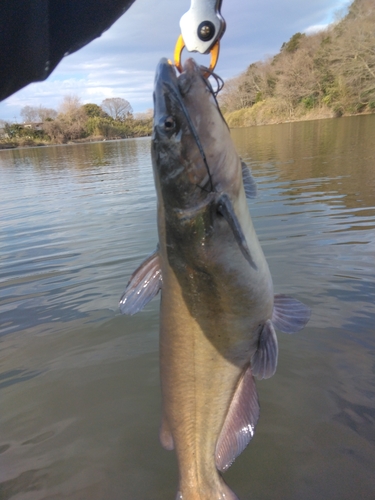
(198, 383)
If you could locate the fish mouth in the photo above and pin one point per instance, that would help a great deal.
(165, 81)
(169, 89)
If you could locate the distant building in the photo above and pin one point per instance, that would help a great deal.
(33, 125)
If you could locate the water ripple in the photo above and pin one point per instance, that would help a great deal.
(80, 389)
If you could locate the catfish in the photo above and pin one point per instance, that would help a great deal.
(218, 311)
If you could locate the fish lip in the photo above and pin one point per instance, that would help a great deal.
(165, 73)
(167, 81)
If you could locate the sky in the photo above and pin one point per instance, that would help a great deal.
(122, 62)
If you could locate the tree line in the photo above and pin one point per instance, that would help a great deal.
(331, 72)
(74, 121)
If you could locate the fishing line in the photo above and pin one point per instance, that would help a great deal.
(220, 85)
(219, 81)
(193, 131)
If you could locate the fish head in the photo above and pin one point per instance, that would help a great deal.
(191, 141)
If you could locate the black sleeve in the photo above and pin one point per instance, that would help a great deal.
(36, 34)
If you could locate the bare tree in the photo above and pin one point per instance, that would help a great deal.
(3, 124)
(70, 122)
(353, 55)
(230, 98)
(56, 131)
(117, 108)
(253, 85)
(29, 114)
(70, 104)
(37, 114)
(46, 113)
(297, 79)
(145, 115)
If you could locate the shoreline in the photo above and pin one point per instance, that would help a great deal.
(236, 119)
(34, 144)
(261, 114)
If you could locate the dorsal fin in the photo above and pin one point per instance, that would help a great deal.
(143, 285)
(248, 182)
(264, 360)
(240, 422)
(289, 315)
(225, 208)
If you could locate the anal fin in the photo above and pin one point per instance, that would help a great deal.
(240, 422)
(143, 285)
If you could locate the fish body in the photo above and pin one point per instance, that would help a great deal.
(218, 308)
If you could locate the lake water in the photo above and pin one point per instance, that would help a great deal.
(79, 383)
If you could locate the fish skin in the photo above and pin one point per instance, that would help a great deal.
(217, 292)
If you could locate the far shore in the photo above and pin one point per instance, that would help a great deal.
(30, 143)
(262, 114)
(242, 118)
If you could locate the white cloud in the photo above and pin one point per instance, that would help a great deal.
(315, 28)
(122, 61)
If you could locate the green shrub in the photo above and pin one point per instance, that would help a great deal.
(309, 102)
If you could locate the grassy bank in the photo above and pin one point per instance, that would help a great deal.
(75, 123)
(62, 132)
(28, 143)
(272, 112)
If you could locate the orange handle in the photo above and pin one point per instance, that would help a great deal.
(180, 47)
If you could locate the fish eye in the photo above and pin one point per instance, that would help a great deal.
(169, 124)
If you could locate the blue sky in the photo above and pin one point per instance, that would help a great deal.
(121, 63)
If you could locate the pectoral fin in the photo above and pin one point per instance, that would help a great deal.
(289, 315)
(143, 285)
(248, 182)
(225, 208)
(264, 360)
(240, 422)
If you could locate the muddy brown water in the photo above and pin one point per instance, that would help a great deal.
(79, 383)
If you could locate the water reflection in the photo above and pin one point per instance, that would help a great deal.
(338, 153)
(61, 221)
(79, 387)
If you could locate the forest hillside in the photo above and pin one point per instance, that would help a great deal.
(326, 74)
